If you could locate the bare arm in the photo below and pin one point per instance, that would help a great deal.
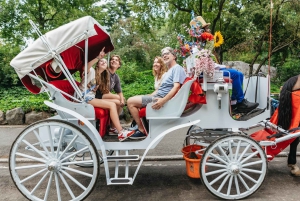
(122, 99)
(161, 101)
(92, 62)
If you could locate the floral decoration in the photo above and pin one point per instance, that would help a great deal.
(218, 39)
(204, 63)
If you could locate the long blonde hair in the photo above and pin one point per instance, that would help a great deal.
(102, 79)
(163, 68)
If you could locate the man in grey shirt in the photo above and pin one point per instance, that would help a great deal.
(171, 83)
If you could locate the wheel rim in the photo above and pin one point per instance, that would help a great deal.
(235, 175)
(50, 171)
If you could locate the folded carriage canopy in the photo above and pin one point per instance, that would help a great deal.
(68, 41)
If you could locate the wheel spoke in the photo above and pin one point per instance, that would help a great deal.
(57, 187)
(66, 185)
(229, 185)
(30, 157)
(29, 166)
(48, 187)
(244, 152)
(243, 182)
(74, 180)
(39, 183)
(218, 158)
(252, 163)
(251, 170)
(77, 162)
(223, 153)
(248, 177)
(77, 171)
(69, 145)
(215, 165)
(215, 172)
(35, 149)
(223, 183)
(75, 153)
(51, 140)
(60, 141)
(248, 157)
(237, 150)
(218, 178)
(41, 142)
(230, 149)
(31, 176)
(237, 187)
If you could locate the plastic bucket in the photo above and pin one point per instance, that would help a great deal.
(191, 148)
(192, 166)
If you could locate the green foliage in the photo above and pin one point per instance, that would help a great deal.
(13, 97)
(289, 69)
(135, 83)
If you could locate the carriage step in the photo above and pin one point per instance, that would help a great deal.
(125, 158)
(116, 181)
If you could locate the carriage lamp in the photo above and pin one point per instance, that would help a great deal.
(220, 88)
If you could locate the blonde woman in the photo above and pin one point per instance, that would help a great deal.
(159, 70)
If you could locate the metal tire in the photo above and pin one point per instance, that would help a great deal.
(39, 162)
(238, 174)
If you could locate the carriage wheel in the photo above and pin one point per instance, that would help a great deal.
(40, 162)
(235, 175)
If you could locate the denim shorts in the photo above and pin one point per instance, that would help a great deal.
(88, 97)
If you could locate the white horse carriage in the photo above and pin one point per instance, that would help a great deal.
(67, 149)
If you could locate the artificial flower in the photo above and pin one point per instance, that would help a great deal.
(218, 39)
(204, 63)
(207, 36)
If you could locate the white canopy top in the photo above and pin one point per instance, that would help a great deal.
(59, 39)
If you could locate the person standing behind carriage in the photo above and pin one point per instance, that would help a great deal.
(287, 116)
(101, 82)
(174, 77)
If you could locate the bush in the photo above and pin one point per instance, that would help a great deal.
(14, 97)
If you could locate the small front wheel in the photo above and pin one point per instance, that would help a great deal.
(43, 161)
(234, 174)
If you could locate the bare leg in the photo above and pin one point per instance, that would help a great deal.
(114, 98)
(112, 111)
(133, 104)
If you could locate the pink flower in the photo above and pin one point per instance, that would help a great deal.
(204, 63)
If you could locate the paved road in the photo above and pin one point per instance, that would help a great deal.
(160, 180)
(167, 180)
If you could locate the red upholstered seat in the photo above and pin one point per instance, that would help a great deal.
(101, 114)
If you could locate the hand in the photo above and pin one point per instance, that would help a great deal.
(159, 103)
(101, 54)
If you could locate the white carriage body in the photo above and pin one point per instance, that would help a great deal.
(70, 47)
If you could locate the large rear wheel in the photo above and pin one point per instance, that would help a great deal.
(44, 164)
(235, 174)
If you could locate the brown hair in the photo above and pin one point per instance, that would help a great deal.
(115, 55)
(163, 68)
(102, 79)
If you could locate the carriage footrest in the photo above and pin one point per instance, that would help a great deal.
(117, 181)
(124, 158)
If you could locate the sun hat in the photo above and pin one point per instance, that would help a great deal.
(199, 22)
